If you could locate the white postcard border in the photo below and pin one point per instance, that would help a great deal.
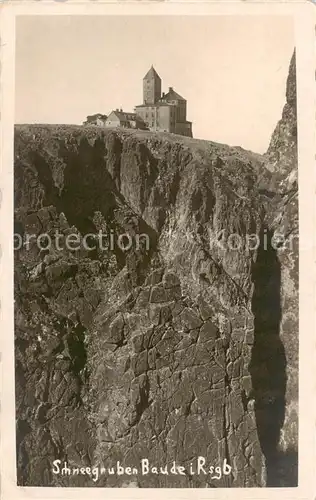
(304, 15)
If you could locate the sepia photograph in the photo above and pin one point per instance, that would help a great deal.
(156, 257)
(156, 251)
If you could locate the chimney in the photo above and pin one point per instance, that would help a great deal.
(163, 94)
(170, 89)
(121, 110)
(116, 109)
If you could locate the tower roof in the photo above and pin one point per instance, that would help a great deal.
(152, 73)
(172, 95)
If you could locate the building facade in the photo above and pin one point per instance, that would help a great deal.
(120, 118)
(163, 112)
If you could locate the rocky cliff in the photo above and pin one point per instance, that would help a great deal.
(281, 207)
(171, 349)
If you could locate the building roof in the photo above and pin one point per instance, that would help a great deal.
(124, 116)
(152, 73)
(172, 95)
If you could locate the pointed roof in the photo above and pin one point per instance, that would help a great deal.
(152, 73)
(173, 96)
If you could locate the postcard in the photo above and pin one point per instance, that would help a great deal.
(157, 296)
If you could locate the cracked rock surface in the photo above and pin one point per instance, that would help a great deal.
(159, 351)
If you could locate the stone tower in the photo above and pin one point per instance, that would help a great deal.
(151, 87)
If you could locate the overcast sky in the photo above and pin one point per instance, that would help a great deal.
(231, 70)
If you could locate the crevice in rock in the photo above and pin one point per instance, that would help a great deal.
(143, 401)
(268, 361)
(77, 349)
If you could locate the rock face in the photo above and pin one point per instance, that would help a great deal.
(281, 220)
(162, 351)
(282, 151)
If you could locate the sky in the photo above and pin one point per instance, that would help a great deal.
(231, 70)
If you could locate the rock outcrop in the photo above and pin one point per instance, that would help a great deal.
(281, 206)
(163, 350)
